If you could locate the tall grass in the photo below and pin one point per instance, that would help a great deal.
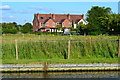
(55, 47)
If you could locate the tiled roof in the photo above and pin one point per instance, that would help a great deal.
(59, 17)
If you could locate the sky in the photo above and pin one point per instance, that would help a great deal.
(22, 12)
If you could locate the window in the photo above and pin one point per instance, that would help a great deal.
(57, 23)
(70, 24)
(41, 24)
(41, 17)
(49, 17)
(36, 23)
(46, 24)
(53, 24)
(62, 24)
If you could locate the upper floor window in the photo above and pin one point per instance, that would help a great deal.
(41, 17)
(49, 17)
(70, 24)
(53, 24)
(63, 24)
(57, 23)
(46, 24)
(41, 24)
(36, 23)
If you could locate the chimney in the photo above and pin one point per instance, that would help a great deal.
(53, 16)
(37, 15)
(82, 16)
(68, 16)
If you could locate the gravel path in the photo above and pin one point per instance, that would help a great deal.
(58, 65)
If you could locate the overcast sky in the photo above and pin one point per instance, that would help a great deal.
(22, 12)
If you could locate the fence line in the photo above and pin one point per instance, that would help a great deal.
(69, 42)
(63, 40)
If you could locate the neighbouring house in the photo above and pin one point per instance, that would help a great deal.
(49, 22)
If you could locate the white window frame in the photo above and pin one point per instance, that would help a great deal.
(53, 24)
(57, 23)
(46, 24)
(69, 24)
(63, 24)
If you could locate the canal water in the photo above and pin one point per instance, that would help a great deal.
(62, 76)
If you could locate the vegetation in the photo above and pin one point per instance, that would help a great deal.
(101, 20)
(61, 61)
(38, 48)
(13, 28)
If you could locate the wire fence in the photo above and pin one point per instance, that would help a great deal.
(60, 49)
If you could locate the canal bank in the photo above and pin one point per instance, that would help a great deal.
(21, 68)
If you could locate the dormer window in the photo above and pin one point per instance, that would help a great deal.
(50, 18)
(41, 17)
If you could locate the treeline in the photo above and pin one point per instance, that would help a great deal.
(14, 28)
(100, 20)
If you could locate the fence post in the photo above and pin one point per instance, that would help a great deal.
(69, 49)
(118, 47)
(16, 49)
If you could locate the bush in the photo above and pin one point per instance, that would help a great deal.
(11, 31)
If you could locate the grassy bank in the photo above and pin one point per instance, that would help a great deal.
(61, 61)
(53, 49)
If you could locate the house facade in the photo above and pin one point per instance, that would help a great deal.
(49, 22)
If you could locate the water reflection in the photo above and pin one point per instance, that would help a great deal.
(63, 75)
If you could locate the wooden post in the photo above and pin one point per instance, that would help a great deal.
(16, 48)
(69, 49)
(119, 48)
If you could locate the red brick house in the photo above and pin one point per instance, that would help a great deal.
(48, 22)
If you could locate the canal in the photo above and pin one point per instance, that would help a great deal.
(108, 75)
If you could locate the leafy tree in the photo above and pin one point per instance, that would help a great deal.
(111, 23)
(58, 27)
(26, 28)
(93, 18)
(9, 28)
(115, 23)
(82, 28)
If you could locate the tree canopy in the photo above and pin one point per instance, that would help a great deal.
(94, 16)
(13, 28)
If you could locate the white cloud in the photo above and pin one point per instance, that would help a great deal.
(44, 9)
(7, 17)
(10, 16)
(21, 11)
(5, 7)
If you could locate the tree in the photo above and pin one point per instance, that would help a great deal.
(115, 23)
(9, 28)
(58, 27)
(26, 28)
(111, 23)
(93, 18)
(82, 28)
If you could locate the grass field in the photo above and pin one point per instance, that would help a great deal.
(53, 49)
